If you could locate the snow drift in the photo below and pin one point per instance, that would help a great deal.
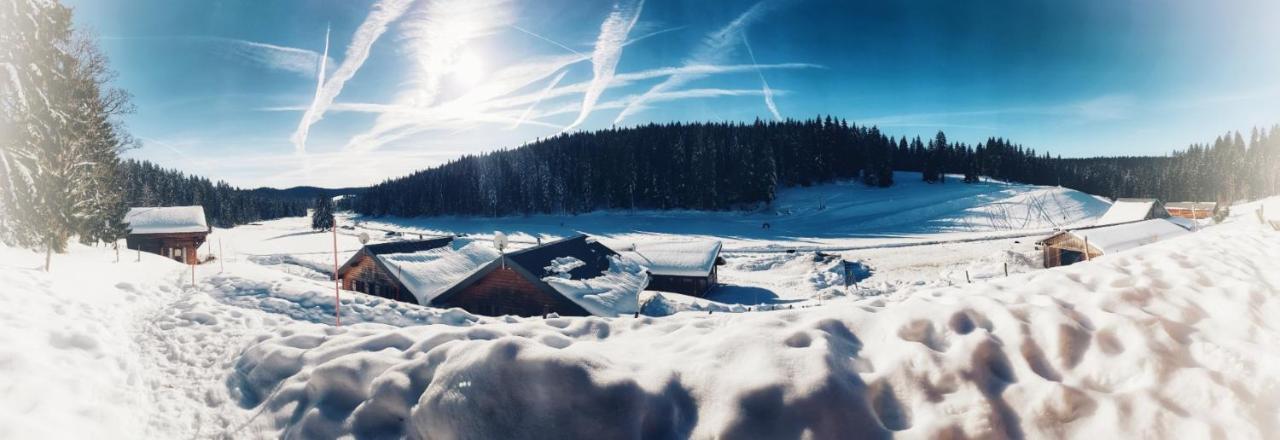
(1174, 339)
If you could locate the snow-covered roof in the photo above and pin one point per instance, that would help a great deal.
(613, 292)
(1127, 210)
(679, 258)
(166, 220)
(429, 273)
(1131, 235)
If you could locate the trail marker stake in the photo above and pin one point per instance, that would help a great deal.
(337, 295)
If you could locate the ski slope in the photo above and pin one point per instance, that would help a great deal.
(1168, 340)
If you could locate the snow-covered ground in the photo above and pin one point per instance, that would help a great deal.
(1174, 339)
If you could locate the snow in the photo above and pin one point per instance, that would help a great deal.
(1170, 340)
(615, 292)
(676, 258)
(561, 266)
(429, 273)
(1131, 235)
(1126, 210)
(166, 220)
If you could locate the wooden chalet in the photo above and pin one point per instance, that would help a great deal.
(369, 271)
(517, 283)
(689, 268)
(1133, 210)
(1192, 210)
(1070, 247)
(175, 232)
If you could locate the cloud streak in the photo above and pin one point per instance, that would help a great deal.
(764, 84)
(714, 49)
(375, 24)
(608, 51)
(271, 56)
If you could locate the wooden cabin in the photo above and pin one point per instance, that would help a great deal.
(517, 283)
(1070, 247)
(1133, 210)
(689, 268)
(369, 271)
(1192, 210)
(175, 232)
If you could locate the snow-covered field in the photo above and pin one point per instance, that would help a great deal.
(1175, 339)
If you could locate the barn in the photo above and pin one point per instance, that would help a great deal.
(1133, 210)
(576, 276)
(1192, 210)
(175, 231)
(413, 270)
(1070, 247)
(688, 267)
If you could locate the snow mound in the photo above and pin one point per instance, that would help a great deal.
(166, 220)
(304, 300)
(615, 292)
(1168, 340)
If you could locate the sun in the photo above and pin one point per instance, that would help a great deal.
(468, 68)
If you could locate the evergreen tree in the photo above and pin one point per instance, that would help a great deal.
(322, 214)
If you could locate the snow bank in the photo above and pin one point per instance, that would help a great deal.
(1131, 235)
(676, 258)
(166, 220)
(1169, 340)
(615, 292)
(429, 273)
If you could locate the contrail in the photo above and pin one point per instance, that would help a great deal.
(557, 43)
(543, 94)
(714, 49)
(764, 85)
(375, 24)
(323, 58)
(604, 60)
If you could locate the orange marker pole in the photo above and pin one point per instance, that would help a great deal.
(337, 304)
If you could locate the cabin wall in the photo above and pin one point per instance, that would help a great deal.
(367, 276)
(181, 247)
(1058, 251)
(505, 292)
(1198, 214)
(695, 286)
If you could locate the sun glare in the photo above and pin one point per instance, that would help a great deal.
(468, 68)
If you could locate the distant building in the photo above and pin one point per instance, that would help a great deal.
(1070, 247)
(175, 232)
(690, 267)
(1133, 210)
(1192, 210)
(576, 276)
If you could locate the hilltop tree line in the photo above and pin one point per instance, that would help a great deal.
(715, 166)
(148, 184)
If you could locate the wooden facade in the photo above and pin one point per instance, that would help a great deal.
(1065, 248)
(513, 285)
(365, 273)
(499, 290)
(687, 285)
(182, 247)
(1192, 210)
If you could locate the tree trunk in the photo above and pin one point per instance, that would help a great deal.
(48, 254)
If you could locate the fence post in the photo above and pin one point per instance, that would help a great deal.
(1006, 269)
(966, 277)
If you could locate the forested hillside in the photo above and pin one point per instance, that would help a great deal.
(147, 184)
(727, 165)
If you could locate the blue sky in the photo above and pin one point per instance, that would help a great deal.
(234, 89)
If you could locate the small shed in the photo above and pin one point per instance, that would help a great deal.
(687, 267)
(1070, 247)
(1192, 210)
(174, 231)
(1133, 210)
(576, 276)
